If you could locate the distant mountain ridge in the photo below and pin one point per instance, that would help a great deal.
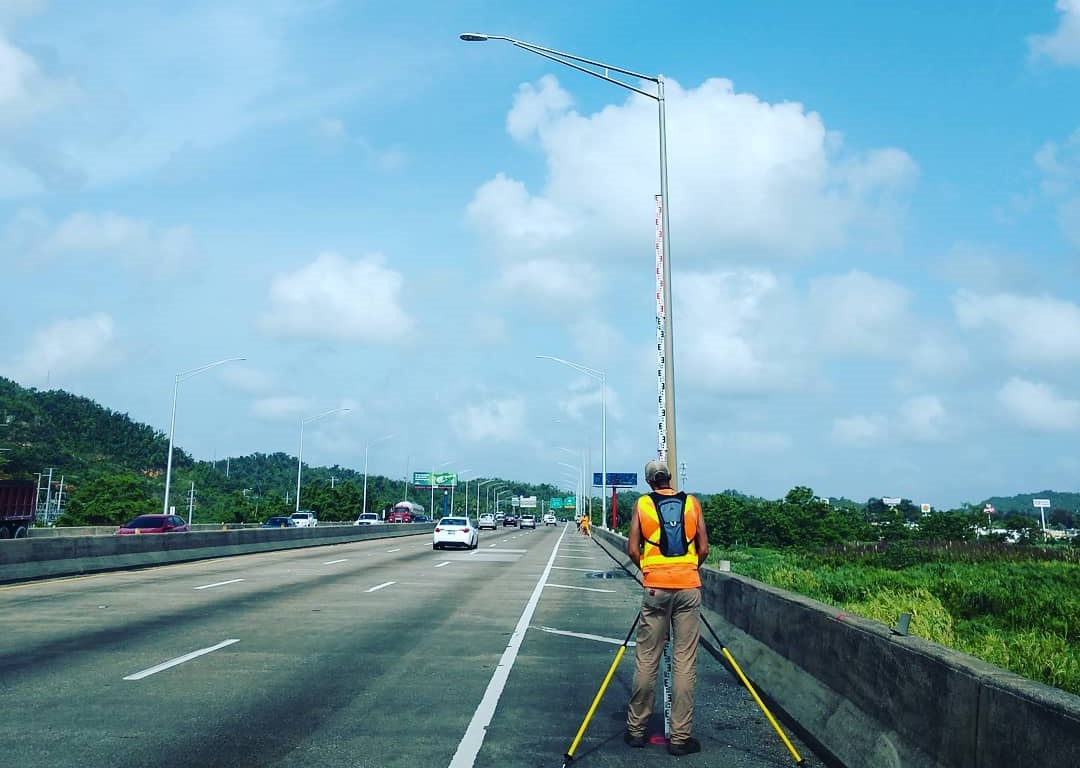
(83, 439)
(1023, 503)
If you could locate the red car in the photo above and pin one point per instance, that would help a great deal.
(155, 524)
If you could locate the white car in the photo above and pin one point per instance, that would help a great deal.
(367, 518)
(550, 519)
(455, 532)
(486, 520)
(527, 521)
(304, 519)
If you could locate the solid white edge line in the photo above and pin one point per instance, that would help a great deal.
(219, 584)
(473, 739)
(179, 660)
(381, 586)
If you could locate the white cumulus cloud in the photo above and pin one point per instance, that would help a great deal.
(1063, 44)
(337, 298)
(857, 430)
(495, 420)
(26, 91)
(1036, 406)
(1060, 168)
(745, 174)
(860, 313)
(738, 331)
(66, 346)
(107, 236)
(1034, 329)
(549, 284)
(281, 407)
(923, 418)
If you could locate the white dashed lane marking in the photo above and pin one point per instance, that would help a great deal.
(219, 584)
(179, 660)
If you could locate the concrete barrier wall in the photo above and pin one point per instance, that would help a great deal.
(872, 698)
(44, 557)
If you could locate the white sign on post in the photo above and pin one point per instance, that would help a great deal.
(1042, 505)
(891, 502)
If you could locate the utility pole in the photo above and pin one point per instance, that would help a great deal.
(48, 494)
(59, 501)
(191, 503)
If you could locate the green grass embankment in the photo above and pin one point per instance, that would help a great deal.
(1017, 610)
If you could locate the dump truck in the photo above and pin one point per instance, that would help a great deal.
(18, 502)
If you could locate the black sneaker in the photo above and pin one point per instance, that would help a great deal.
(634, 741)
(688, 747)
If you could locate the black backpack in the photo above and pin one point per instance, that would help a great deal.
(669, 509)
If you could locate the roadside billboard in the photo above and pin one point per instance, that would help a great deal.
(441, 479)
(616, 479)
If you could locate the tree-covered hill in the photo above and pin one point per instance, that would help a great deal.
(72, 434)
(114, 468)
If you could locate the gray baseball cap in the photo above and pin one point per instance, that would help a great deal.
(654, 469)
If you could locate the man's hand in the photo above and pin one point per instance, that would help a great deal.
(633, 540)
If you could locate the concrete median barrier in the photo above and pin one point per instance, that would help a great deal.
(45, 557)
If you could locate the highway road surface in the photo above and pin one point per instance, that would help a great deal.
(379, 653)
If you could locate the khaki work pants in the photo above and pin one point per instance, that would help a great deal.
(681, 610)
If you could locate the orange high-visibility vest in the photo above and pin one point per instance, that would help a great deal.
(668, 572)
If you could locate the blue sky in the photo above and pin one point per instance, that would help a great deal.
(875, 235)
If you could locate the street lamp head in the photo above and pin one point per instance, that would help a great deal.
(473, 37)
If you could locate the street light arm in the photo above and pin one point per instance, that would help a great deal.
(324, 415)
(566, 59)
(196, 371)
(576, 366)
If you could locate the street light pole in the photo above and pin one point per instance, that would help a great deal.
(366, 448)
(491, 491)
(172, 422)
(478, 486)
(300, 453)
(453, 488)
(602, 376)
(581, 485)
(665, 330)
(431, 480)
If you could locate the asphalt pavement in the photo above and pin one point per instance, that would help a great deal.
(367, 654)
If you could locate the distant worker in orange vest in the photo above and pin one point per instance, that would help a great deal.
(585, 526)
(668, 542)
